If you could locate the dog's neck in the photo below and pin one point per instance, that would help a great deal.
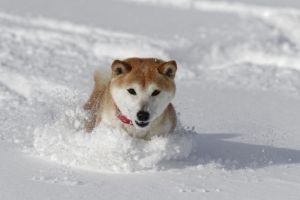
(123, 118)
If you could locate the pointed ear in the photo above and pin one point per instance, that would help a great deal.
(168, 69)
(119, 67)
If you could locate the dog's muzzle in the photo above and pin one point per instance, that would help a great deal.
(142, 124)
(143, 118)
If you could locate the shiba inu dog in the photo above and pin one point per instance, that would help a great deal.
(136, 98)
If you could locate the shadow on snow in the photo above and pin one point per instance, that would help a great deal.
(214, 148)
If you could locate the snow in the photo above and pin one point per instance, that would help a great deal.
(238, 91)
(106, 149)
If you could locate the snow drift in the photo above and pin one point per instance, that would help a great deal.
(106, 149)
(246, 135)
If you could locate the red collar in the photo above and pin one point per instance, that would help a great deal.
(124, 119)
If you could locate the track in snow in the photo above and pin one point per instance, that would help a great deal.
(243, 105)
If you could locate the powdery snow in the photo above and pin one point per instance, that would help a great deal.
(106, 149)
(238, 86)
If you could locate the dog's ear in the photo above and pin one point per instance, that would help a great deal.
(119, 67)
(168, 69)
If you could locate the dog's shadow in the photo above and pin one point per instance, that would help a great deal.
(216, 148)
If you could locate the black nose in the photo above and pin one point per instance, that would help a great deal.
(143, 115)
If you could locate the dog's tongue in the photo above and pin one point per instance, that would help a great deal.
(124, 119)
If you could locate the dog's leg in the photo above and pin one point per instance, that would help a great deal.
(92, 106)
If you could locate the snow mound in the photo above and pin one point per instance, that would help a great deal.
(106, 149)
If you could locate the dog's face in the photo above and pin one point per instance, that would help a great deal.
(142, 88)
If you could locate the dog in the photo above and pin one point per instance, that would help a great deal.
(136, 98)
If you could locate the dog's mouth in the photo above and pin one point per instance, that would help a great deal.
(142, 124)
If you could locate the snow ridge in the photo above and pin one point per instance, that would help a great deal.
(61, 56)
(106, 149)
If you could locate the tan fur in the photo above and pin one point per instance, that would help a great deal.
(143, 71)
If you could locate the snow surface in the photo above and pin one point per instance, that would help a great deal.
(238, 92)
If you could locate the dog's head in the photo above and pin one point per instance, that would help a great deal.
(142, 88)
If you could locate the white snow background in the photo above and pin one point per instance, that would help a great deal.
(238, 99)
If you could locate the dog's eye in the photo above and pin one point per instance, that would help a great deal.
(131, 91)
(155, 93)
